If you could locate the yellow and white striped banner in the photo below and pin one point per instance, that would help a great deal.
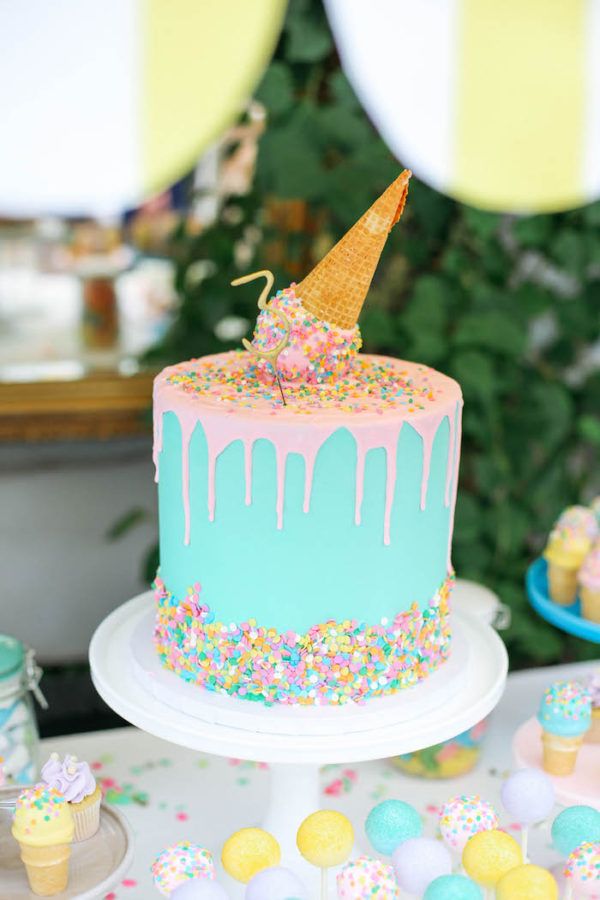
(495, 102)
(104, 102)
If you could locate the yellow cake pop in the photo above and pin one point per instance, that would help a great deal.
(527, 883)
(325, 838)
(249, 851)
(489, 855)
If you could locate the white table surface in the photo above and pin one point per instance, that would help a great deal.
(171, 794)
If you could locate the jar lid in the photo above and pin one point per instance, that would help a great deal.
(12, 656)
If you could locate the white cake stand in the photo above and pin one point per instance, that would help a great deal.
(294, 741)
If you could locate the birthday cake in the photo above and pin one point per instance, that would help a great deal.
(306, 498)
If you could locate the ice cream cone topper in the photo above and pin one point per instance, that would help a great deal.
(336, 288)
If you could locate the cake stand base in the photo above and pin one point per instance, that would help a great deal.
(409, 721)
(582, 787)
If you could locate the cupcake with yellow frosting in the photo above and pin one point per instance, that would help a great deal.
(43, 826)
(570, 541)
(74, 780)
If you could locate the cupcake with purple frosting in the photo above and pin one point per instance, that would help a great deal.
(74, 780)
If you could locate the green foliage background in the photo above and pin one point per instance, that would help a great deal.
(508, 306)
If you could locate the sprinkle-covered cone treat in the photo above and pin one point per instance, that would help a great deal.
(43, 826)
(565, 715)
(589, 585)
(336, 288)
(74, 780)
(569, 543)
(593, 686)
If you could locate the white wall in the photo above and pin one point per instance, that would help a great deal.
(59, 576)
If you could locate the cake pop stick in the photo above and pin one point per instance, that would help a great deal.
(325, 839)
(528, 795)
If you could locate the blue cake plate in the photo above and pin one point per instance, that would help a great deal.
(567, 618)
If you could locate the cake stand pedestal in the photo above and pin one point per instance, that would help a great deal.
(295, 741)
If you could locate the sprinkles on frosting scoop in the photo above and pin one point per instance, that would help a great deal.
(317, 351)
(464, 816)
(584, 863)
(179, 863)
(332, 663)
(570, 699)
(364, 878)
(372, 384)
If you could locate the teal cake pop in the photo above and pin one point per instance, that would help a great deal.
(453, 887)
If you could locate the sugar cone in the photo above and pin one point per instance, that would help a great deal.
(560, 753)
(590, 604)
(336, 288)
(47, 868)
(562, 584)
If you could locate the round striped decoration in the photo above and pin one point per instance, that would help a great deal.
(494, 102)
(105, 102)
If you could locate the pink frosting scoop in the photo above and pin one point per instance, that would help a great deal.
(589, 574)
(73, 779)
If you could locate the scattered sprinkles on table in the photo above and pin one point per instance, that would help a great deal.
(332, 663)
(462, 817)
(179, 863)
(367, 878)
(583, 864)
(372, 384)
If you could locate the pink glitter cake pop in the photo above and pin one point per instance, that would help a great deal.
(364, 878)
(464, 816)
(582, 869)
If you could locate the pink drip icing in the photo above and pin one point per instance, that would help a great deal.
(451, 449)
(456, 467)
(222, 428)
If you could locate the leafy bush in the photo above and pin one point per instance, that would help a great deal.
(509, 307)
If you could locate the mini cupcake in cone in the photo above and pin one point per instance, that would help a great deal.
(322, 311)
(589, 585)
(43, 826)
(565, 715)
(74, 780)
(568, 545)
(593, 686)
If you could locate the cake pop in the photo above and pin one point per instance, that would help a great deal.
(325, 839)
(364, 878)
(390, 823)
(527, 883)
(462, 817)
(249, 851)
(180, 863)
(276, 883)
(489, 855)
(200, 889)
(453, 887)
(565, 715)
(582, 870)
(573, 826)
(528, 796)
(419, 861)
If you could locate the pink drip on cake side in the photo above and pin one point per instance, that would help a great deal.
(223, 427)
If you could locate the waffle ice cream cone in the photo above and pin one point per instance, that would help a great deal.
(562, 584)
(47, 868)
(560, 753)
(336, 288)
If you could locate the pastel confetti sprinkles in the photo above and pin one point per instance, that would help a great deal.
(332, 663)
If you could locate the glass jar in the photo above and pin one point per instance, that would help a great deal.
(19, 739)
